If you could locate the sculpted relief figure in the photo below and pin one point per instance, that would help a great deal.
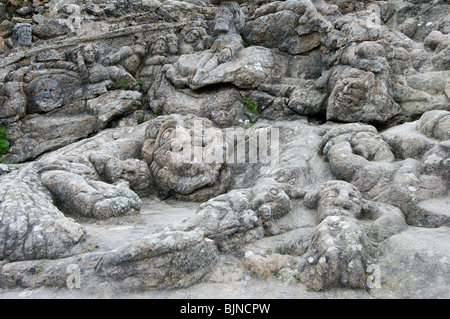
(128, 57)
(194, 38)
(93, 71)
(161, 51)
(342, 246)
(357, 154)
(240, 216)
(175, 175)
(340, 197)
(193, 68)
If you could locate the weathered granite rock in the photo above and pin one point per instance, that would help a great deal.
(239, 217)
(75, 195)
(22, 33)
(170, 149)
(336, 255)
(51, 29)
(362, 92)
(72, 272)
(435, 124)
(302, 27)
(365, 156)
(79, 79)
(343, 243)
(31, 225)
(414, 264)
(113, 105)
(163, 260)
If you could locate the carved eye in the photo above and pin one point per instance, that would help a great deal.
(166, 135)
(274, 191)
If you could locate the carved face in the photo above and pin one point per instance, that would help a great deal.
(223, 117)
(224, 20)
(172, 44)
(174, 155)
(338, 199)
(89, 54)
(47, 95)
(224, 108)
(159, 47)
(229, 18)
(192, 36)
(270, 201)
(23, 33)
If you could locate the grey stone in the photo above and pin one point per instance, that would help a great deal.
(50, 273)
(22, 33)
(173, 172)
(149, 263)
(414, 264)
(113, 105)
(31, 226)
(100, 102)
(77, 196)
(360, 96)
(51, 29)
(238, 217)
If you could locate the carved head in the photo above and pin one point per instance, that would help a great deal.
(270, 200)
(89, 53)
(175, 149)
(229, 18)
(46, 94)
(159, 46)
(335, 198)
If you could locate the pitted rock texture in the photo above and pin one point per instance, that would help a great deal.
(103, 102)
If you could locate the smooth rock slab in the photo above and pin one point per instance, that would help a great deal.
(415, 264)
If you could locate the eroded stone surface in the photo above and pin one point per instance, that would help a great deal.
(100, 101)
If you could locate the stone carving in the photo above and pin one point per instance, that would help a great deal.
(171, 172)
(340, 248)
(238, 217)
(101, 101)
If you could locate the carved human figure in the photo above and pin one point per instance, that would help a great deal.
(240, 216)
(229, 22)
(162, 51)
(129, 57)
(193, 68)
(93, 71)
(194, 38)
(348, 232)
(74, 15)
(337, 253)
(359, 155)
(335, 198)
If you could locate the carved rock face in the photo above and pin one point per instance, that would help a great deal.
(22, 32)
(190, 177)
(360, 95)
(71, 71)
(335, 198)
(47, 95)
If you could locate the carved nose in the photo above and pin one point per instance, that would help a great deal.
(343, 200)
